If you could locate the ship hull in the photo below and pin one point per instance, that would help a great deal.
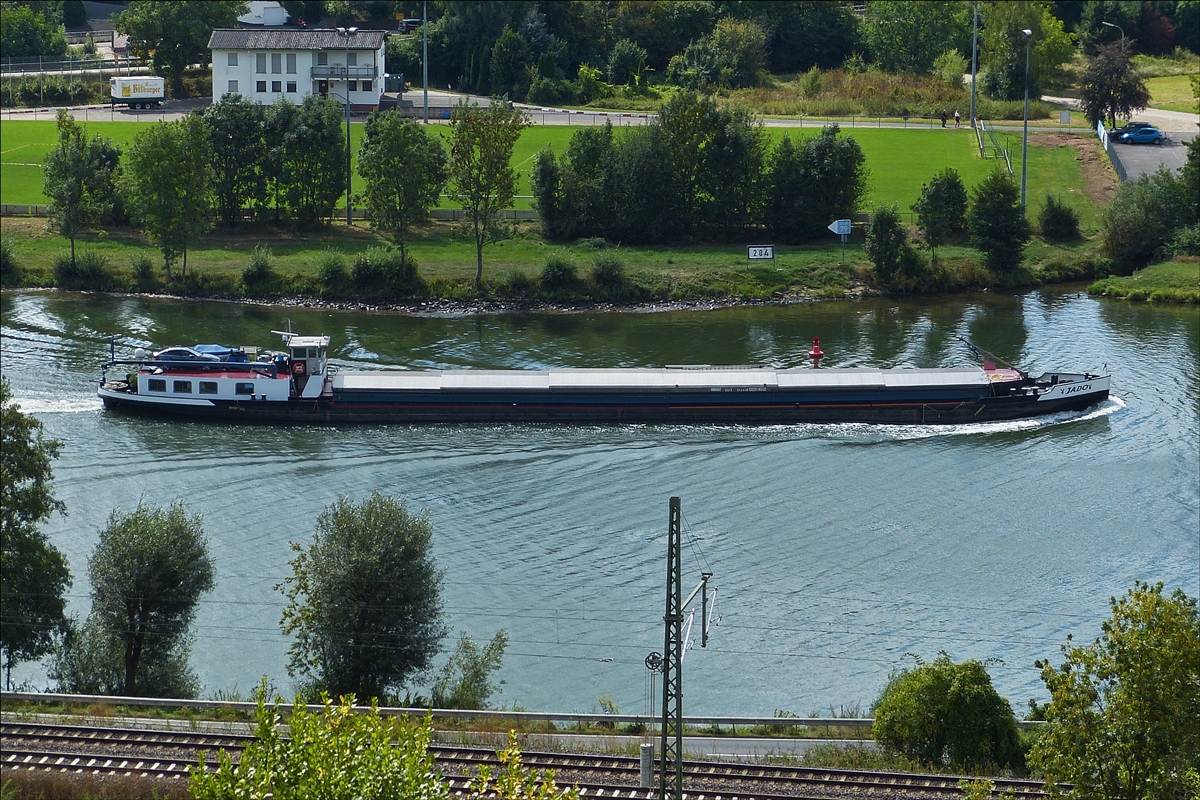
(754, 408)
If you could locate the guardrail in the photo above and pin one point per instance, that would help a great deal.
(450, 713)
(1106, 141)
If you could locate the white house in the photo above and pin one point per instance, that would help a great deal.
(266, 64)
(264, 12)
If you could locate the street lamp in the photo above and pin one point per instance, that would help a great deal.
(348, 32)
(425, 57)
(1025, 136)
(1118, 27)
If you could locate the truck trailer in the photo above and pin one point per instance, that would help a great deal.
(137, 92)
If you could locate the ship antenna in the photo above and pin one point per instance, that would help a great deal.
(977, 350)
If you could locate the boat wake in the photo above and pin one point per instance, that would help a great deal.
(60, 405)
(863, 432)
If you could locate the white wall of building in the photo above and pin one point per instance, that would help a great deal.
(266, 75)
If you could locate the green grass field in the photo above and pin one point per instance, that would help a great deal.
(1172, 92)
(1176, 281)
(899, 161)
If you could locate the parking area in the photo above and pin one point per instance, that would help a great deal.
(1144, 159)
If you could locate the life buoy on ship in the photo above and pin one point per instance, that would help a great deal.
(298, 368)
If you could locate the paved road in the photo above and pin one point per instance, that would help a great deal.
(1145, 159)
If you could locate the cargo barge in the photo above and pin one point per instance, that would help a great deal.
(298, 386)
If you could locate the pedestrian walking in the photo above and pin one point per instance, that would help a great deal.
(957, 119)
(943, 119)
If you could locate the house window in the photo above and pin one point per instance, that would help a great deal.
(351, 59)
(291, 86)
(244, 388)
(181, 387)
(261, 86)
(158, 384)
(365, 86)
(276, 86)
(276, 63)
(233, 87)
(260, 62)
(350, 86)
(208, 387)
(291, 63)
(322, 59)
(231, 59)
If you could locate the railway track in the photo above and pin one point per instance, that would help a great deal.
(129, 752)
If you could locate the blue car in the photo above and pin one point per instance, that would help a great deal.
(1142, 136)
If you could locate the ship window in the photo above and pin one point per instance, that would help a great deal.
(158, 385)
(181, 387)
(244, 388)
(208, 387)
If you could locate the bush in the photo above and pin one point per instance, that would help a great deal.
(258, 274)
(517, 283)
(10, 273)
(609, 271)
(558, 273)
(331, 270)
(1139, 224)
(997, 224)
(143, 272)
(1187, 240)
(384, 273)
(947, 714)
(593, 243)
(888, 248)
(89, 272)
(1058, 222)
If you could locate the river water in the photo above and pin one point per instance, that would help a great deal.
(838, 551)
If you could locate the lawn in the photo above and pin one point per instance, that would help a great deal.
(1172, 281)
(1172, 92)
(899, 161)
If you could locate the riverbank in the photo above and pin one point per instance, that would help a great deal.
(1176, 281)
(523, 272)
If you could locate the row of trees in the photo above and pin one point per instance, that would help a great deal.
(993, 219)
(279, 163)
(696, 171)
(363, 599)
(532, 48)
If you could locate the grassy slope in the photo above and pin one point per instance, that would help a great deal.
(1172, 92)
(1177, 281)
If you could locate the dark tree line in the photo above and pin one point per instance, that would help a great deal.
(697, 172)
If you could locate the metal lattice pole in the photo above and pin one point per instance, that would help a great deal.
(670, 785)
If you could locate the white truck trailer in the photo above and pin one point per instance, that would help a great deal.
(137, 92)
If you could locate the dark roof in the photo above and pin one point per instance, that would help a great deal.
(293, 39)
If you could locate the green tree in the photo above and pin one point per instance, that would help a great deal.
(510, 62)
(947, 714)
(174, 34)
(809, 186)
(148, 572)
(806, 33)
(465, 680)
(336, 753)
(314, 160)
(905, 36)
(941, 209)
(91, 660)
(1003, 48)
(1142, 218)
(626, 63)
(887, 245)
(482, 179)
(1124, 713)
(237, 147)
(79, 179)
(364, 599)
(734, 55)
(997, 224)
(167, 185)
(25, 33)
(1110, 86)
(404, 169)
(33, 573)
(278, 122)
